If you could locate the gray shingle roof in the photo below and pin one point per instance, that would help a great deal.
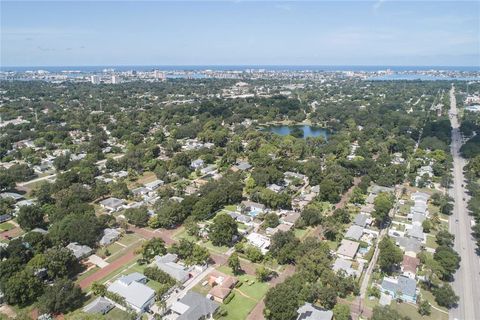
(311, 312)
(360, 220)
(99, 305)
(112, 203)
(175, 270)
(354, 232)
(198, 306)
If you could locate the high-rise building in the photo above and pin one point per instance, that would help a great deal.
(115, 79)
(95, 79)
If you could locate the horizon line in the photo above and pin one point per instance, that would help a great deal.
(240, 65)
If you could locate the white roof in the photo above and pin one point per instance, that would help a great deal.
(135, 294)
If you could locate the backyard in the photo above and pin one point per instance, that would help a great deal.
(246, 296)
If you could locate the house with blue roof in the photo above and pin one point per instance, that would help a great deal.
(403, 288)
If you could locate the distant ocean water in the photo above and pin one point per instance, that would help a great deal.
(93, 69)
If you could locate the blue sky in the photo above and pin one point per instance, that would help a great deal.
(240, 32)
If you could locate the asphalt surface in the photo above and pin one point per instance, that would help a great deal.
(467, 278)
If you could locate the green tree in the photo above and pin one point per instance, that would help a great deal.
(222, 230)
(31, 217)
(383, 203)
(191, 252)
(234, 263)
(82, 228)
(98, 289)
(137, 216)
(271, 220)
(448, 259)
(152, 248)
(262, 274)
(341, 312)
(283, 300)
(444, 238)
(390, 255)
(22, 288)
(424, 308)
(284, 246)
(445, 296)
(61, 297)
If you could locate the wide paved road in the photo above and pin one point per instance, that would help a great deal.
(467, 278)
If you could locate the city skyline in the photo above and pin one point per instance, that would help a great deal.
(240, 33)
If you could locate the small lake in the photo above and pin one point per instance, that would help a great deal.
(308, 131)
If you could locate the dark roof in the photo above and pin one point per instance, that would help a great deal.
(199, 306)
(5, 217)
(360, 220)
(99, 305)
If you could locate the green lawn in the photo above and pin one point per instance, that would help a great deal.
(183, 234)
(209, 245)
(113, 248)
(231, 207)
(411, 311)
(154, 285)
(6, 226)
(332, 244)
(301, 233)
(128, 239)
(241, 305)
(427, 295)
(117, 314)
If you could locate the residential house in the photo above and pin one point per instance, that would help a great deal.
(137, 295)
(403, 288)
(411, 246)
(154, 185)
(275, 188)
(169, 265)
(109, 236)
(112, 204)
(348, 249)
(416, 232)
(242, 166)
(209, 169)
(409, 266)
(11, 195)
(354, 232)
(252, 208)
(346, 266)
(379, 189)
(221, 284)
(140, 192)
(119, 174)
(100, 305)
(290, 218)
(5, 217)
(361, 220)
(194, 306)
(310, 312)
(260, 241)
(79, 251)
(197, 164)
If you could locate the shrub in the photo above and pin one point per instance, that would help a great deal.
(229, 298)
